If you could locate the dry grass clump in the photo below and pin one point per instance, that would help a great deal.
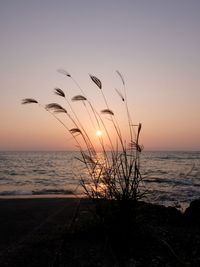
(115, 172)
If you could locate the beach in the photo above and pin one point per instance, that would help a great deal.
(73, 232)
(32, 230)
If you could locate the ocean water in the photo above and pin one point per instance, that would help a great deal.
(170, 178)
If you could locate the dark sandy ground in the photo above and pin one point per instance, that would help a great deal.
(76, 233)
(31, 230)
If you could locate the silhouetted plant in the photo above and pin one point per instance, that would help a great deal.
(115, 172)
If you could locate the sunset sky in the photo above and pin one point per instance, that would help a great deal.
(155, 44)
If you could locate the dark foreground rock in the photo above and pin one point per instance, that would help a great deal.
(133, 235)
(192, 213)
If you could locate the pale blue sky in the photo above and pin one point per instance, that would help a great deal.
(155, 44)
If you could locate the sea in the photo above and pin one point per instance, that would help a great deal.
(170, 178)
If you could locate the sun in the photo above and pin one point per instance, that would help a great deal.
(98, 133)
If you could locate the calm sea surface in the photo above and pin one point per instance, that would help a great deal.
(171, 178)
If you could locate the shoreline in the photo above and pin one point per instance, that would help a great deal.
(181, 207)
(42, 196)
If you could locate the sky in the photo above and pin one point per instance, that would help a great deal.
(153, 43)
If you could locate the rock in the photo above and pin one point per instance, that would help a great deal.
(192, 213)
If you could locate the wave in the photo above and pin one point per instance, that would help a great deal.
(170, 181)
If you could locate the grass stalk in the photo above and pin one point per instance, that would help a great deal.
(116, 173)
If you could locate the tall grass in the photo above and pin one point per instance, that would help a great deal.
(115, 172)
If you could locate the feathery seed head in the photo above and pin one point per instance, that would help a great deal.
(29, 101)
(121, 77)
(64, 72)
(120, 94)
(96, 81)
(107, 111)
(55, 108)
(75, 130)
(59, 92)
(79, 98)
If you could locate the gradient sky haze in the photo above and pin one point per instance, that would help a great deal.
(154, 43)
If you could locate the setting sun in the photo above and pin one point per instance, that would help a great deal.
(98, 133)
